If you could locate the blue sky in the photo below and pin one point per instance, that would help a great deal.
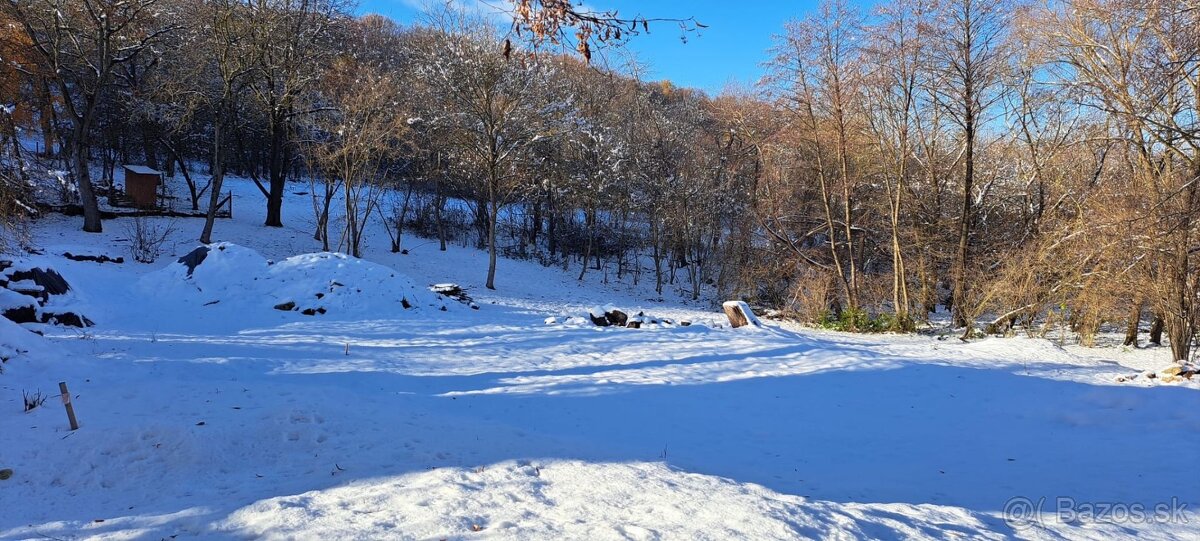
(730, 50)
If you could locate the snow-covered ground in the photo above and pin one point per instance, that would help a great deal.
(232, 419)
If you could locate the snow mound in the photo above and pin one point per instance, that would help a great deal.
(568, 499)
(16, 340)
(313, 284)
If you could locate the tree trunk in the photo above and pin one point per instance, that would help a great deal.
(1131, 329)
(149, 148)
(964, 227)
(491, 274)
(1156, 330)
(91, 208)
(218, 177)
(440, 203)
(589, 223)
(277, 170)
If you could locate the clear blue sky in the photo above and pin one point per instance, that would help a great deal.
(732, 48)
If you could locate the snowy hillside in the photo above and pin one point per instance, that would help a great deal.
(273, 392)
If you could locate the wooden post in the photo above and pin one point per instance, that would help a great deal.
(66, 399)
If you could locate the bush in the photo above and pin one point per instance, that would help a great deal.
(34, 400)
(857, 320)
(146, 239)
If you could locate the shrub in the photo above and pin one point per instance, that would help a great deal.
(146, 240)
(32, 401)
(857, 320)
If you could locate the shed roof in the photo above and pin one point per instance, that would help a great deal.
(141, 170)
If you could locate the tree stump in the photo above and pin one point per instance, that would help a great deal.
(740, 314)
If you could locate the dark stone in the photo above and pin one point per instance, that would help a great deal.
(96, 258)
(404, 302)
(616, 318)
(68, 319)
(23, 314)
(453, 291)
(635, 324)
(286, 306)
(194, 258)
(309, 312)
(36, 292)
(52, 282)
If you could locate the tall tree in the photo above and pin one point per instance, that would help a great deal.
(970, 51)
(83, 42)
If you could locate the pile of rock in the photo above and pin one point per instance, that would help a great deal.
(455, 292)
(27, 290)
(612, 317)
(1171, 374)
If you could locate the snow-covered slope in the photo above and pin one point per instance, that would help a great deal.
(234, 419)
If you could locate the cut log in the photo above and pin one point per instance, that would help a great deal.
(740, 314)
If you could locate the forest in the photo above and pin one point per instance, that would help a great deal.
(1021, 166)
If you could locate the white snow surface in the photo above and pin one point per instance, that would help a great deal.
(521, 420)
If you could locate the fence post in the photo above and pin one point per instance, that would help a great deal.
(66, 399)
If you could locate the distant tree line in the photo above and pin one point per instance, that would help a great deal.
(1031, 165)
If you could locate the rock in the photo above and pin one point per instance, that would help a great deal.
(286, 306)
(455, 292)
(634, 324)
(51, 282)
(6, 474)
(96, 258)
(194, 258)
(449, 290)
(22, 314)
(616, 318)
(599, 321)
(29, 289)
(67, 318)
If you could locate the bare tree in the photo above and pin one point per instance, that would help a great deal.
(971, 53)
(82, 42)
(359, 133)
(491, 111)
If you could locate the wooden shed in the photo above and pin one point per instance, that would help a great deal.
(141, 185)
